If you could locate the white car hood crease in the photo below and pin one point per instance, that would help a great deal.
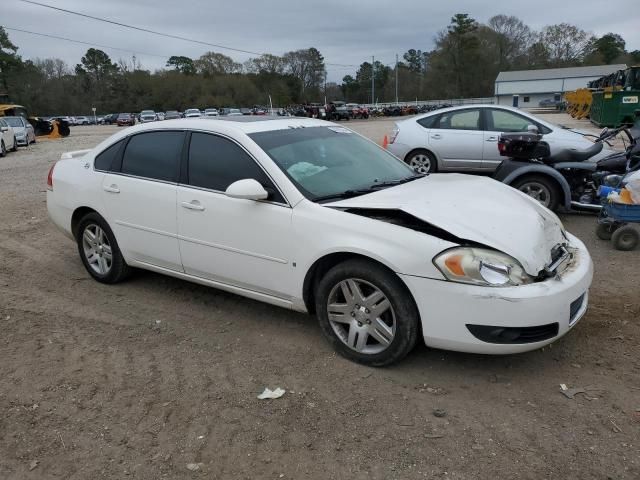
(477, 209)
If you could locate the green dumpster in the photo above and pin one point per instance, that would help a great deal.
(613, 109)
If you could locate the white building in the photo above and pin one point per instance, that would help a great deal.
(529, 87)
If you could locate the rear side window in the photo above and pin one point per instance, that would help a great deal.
(460, 120)
(215, 163)
(105, 160)
(430, 121)
(154, 155)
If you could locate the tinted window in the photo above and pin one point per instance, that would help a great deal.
(104, 161)
(429, 122)
(215, 163)
(460, 120)
(153, 155)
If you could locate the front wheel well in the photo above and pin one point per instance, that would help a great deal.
(546, 176)
(78, 215)
(321, 266)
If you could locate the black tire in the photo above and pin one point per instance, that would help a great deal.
(15, 145)
(625, 238)
(403, 309)
(412, 160)
(3, 149)
(118, 270)
(549, 184)
(604, 231)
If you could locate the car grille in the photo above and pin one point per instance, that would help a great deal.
(575, 308)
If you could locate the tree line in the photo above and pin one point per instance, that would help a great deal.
(465, 60)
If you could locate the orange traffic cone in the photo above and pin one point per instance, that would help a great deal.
(385, 142)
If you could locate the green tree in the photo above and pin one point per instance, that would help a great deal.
(9, 60)
(566, 44)
(181, 64)
(308, 66)
(212, 63)
(608, 48)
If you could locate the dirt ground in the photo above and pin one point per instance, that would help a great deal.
(158, 378)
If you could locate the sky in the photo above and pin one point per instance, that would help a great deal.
(347, 32)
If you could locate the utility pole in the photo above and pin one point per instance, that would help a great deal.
(396, 78)
(373, 80)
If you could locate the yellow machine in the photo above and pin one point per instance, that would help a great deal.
(579, 102)
(44, 129)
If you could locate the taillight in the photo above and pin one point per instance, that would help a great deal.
(394, 135)
(50, 178)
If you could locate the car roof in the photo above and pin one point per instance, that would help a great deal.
(245, 124)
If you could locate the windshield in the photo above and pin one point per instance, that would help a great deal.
(193, 110)
(331, 161)
(147, 112)
(14, 122)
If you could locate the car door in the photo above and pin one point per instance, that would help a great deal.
(139, 195)
(6, 133)
(244, 243)
(457, 139)
(498, 121)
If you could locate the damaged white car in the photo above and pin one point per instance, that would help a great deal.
(307, 215)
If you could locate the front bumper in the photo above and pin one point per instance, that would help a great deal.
(446, 308)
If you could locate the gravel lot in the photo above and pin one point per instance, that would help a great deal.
(140, 379)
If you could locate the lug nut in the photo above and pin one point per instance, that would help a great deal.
(359, 324)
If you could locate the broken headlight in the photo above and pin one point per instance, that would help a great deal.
(480, 266)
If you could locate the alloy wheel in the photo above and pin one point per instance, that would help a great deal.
(421, 163)
(537, 191)
(361, 316)
(97, 249)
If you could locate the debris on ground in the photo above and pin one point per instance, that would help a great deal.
(33, 464)
(440, 413)
(271, 394)
(586, 391)
(194, 467)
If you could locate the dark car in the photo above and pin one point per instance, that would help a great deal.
(172, 115)
(125, 119)
(338, 111)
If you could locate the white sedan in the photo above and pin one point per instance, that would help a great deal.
(310, 216)
(8, 140)
(466, 138)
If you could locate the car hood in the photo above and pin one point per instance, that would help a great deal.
(477, 209)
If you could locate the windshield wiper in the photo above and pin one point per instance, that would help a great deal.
(363, 191)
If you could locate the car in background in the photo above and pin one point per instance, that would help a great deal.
(465, 138)
(8, 140)
(161, 115)
(211, 112)
(192, 113)
(384, 257)
(109, 119)
(246, 111)
(22, 129)
(82, 120)
(172, 115)
(125, 119)
(231, 112)
(148, 116)
(549, 102)
(338, 111)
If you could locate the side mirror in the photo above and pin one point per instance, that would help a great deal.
(247, 189)
(4, 129)
(532, 129)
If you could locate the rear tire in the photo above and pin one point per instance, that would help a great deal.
(422, 161)
(99, 250)
(625, 238)
(375, 322)
(540, 188)
(604, 231)
(3, 149)
(15, 145)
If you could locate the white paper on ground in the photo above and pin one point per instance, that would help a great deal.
(268, 394)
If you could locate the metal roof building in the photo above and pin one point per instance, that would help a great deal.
(529, 87)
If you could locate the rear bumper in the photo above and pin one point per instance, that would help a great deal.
(447, 309)
(400, 150)
(59, 215)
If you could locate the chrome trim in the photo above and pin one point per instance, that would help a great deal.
(586, 206)
(232, 250)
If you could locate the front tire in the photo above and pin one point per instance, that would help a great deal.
(3, 149)
(422, 161)
(15, 145)
(367, 313)
(540, 188)
(99, 250)
(625, 238)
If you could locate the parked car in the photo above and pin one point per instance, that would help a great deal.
(82, 120)
(465, 138)
(232, 112)
(22, 130)
(109, 119)
(192, 113)
(8, 140)
(148, 116)
(161, 115)
(319, 219)
(549, 102)
(172, 115)
(338, 111)
(125, 119)
(211, 112)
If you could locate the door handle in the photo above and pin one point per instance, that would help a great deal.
(492, 139)
(436, 136)
(113, 188)
(193, 205)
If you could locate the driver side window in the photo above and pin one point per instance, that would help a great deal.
(216, 162)
(505, 121)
